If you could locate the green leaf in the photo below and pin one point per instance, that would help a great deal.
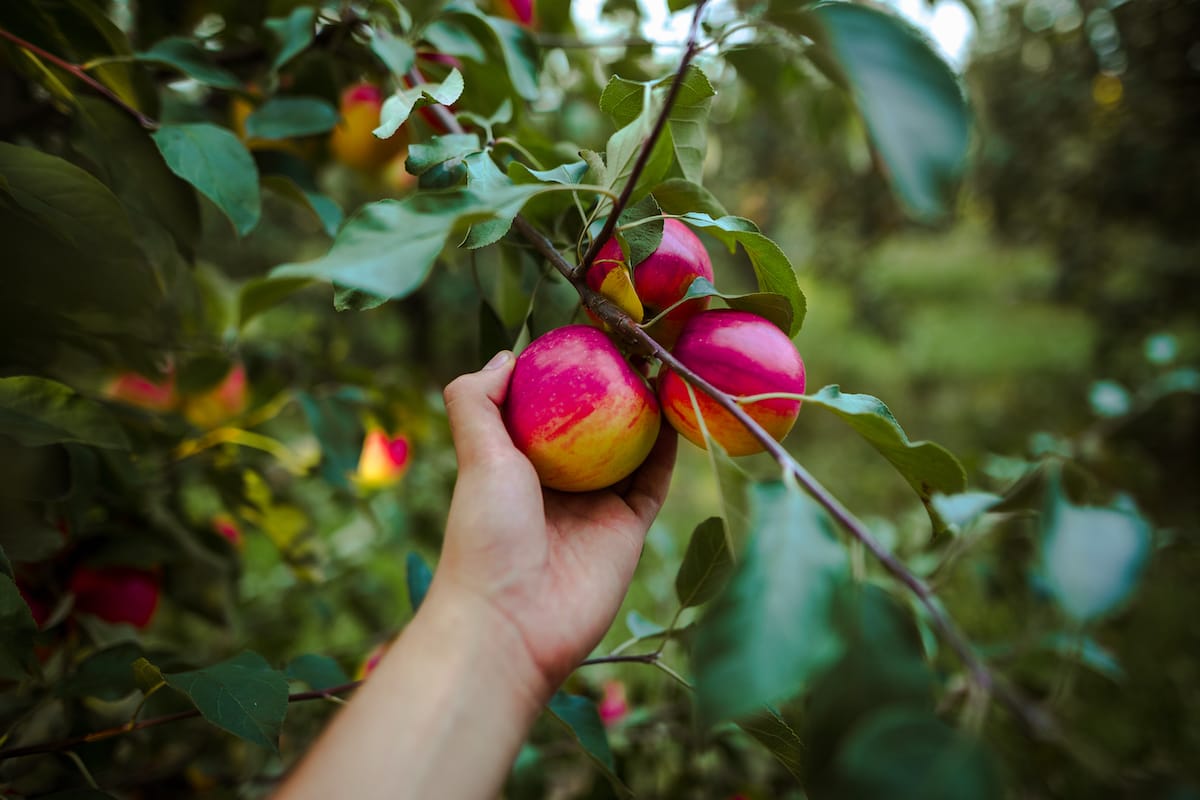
(625, 146)
(579, 716)
(903, 754)
(327, 211)
(775, 308)
(215, 161)
(399, 106)
(642, 628)
(146, 676)
(333, 419)
(17, 629)
(706, 565)
(928, 467)
(38, 411)
(242, 695)
(263, 294)
(772, 268)
(958, 511)
(106, 674)
(679, 196)
(294, 32)
(564, 174)
(395, 53)
(512, 42)
(772, 731)
(1092, 558)
(284, 117)
(770, 632)
(192, 60)
(417, 576)
(909, 98)
(484, 177)
(389, 247)
(639, 242)
(440, 149)
(318, 671)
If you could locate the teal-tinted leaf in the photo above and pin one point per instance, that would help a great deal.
(706, 565)
(17, 629)
(417, 576)
(451, 39)
(263, 294)
(282, 117)
(294, 33)
(242, 695)
(771, 631)
(215, 161)
(318, 671)
(1109, 399)
(191, 59)
(1087, 651)
(389, 247)
(38, 411)
(334, 421)
(107, 674)
(516, 47)
(579, 716)
(564, 174)
(958, 511)
(625, 146)
(395, 53)
(904, 754)
(928, 467)
(1092, 557)
(679, 196)
(770, 729)
(439, 149)
(772, 268)
(345, 299)
(639, 242)
(641, 627)
(773, 307)
(399, 106)
(484, 177)
(327, 211)
(909, 98)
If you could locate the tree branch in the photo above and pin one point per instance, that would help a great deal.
(76, 70)
(693, 46)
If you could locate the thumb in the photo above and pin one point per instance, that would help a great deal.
(473, 407)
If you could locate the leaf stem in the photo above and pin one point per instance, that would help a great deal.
(78, 71)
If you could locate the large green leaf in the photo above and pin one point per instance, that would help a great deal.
(909, 98)
(679, 196)
(928, 467)
(771, 630)
(318, 671)
(579, 716)
(283, 117)
(106, 674)
(509, 40)
(706, 565)
(770, 729)
(625, 146)
(1092, 557)
(774, 308)
(295, 32)
(215, 161)
(422, 156)
(17, 629)
(38, 411)
(389, 247)
(192, 60)
(772, 268)
(242, 695)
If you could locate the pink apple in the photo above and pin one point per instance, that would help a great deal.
(116, 594)
(742, 354)
(522, 11)
(578, 411)
(226, 527)
(383, 461)
(221, 403)
(137, 390)
(613, 704)
(663, 277)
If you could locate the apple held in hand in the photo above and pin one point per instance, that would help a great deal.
(353, 142)
(116, 594)
(662, 278)
(742, 354)
(578, 411)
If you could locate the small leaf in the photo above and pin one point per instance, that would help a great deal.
(37, 411)
(1092, 557)
(706, 565)
(395, 53)
(775, 308)
(417, 576)
(284, 117)
(514, 45)
(263, 294)
(639, 242)
(770, 632)
(17, 629)
(215, 161)
(294, 32)
(679, 196)
(579, 716)
(772, 268)
(772, 731)
(928, 467)
(399, 106)
(440, 149)
(318, 671)
(564, 174)
(146, 676)
(327, 211)
(958, 511)
(107, 674)
(483, 177)
(192, 60)
(642, 628)
(242, 695)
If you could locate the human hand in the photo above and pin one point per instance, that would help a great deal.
(552, 566)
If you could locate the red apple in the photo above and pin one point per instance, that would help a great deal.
(221, 403)
(353, 142)
(383, 461)
(663, 277)
(116, 594)
(613, 704)
(521, 11)
(227, 528)
(578, 411)
(742, 354)
(137, 390)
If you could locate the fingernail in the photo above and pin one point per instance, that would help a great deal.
(498, 360)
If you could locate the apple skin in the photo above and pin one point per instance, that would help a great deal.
(742, 354)
(614, 704)
(383, 460)
(220, 404)
(663, 277)
(353, 142)
(137, 390)
(578, 411)
(116, 594)
(523, 12)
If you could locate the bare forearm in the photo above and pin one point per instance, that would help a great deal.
(443, 715)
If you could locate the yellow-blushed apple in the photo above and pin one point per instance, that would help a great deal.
(383, 460)
(742, 354)
(353, 141)
(221, 403)
(578, 411)
(137, 390)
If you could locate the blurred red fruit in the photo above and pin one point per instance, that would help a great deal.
(613, 704)
(116, 594)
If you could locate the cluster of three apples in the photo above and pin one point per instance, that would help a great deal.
(586, 418)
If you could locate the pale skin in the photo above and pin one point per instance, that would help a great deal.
(528, 582)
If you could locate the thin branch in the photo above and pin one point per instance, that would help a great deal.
(647, 146)
(639, 658)
(153, 722)
(78, 72)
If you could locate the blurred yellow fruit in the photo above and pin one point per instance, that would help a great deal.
(353, 142)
